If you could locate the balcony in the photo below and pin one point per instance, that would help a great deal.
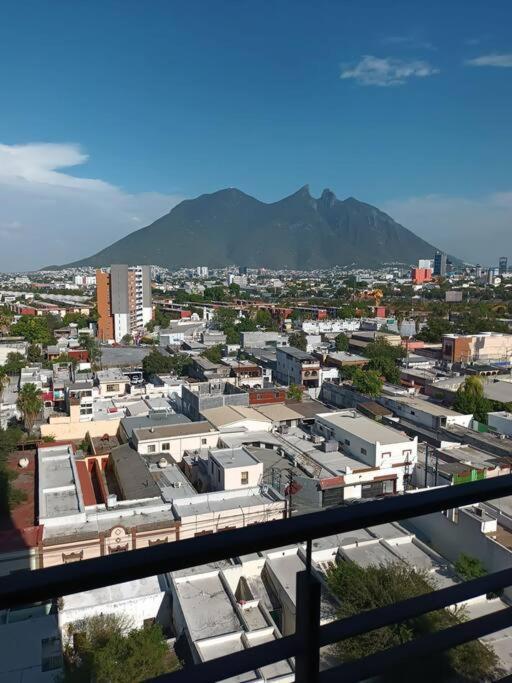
(304, 644)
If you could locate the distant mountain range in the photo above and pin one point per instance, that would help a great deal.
(298, 232)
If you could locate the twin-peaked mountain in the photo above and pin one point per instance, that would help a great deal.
(230, 227)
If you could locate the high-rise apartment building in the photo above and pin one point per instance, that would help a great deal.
(123, 295)
(440, 264)
(503, 265)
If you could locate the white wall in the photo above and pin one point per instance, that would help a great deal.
(178, 444)
(500, 422)
(465, 535)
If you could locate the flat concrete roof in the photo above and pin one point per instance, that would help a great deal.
(119, 592)
(218, 501)
(363, 427)
(170, 431)
(207, 607)
(426, 406)
(370, 555)
(225, 415)
(129, 424)
(233, 457)
(278, 412)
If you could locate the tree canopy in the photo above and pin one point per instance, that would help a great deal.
(214, 353)
(294, 393)
(470, 399)
(156, 362)
(364, 588)
(298, 340)
(106, 649)
(341, 342)
(35, 329)
(383, 359)
(367, 382)
(30, 404)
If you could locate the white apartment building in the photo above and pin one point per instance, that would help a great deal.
(424, 413)
(334, 326)
(367, 440)
(233, 468)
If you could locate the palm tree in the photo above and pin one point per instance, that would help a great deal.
(4, 383)
(30, 404)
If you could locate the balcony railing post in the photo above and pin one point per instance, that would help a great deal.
(307, 627)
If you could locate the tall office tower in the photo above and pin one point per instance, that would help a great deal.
(478, 270)
(440, 263)
(503, 265)
(123, 295)
(242, 270)
(425, 263)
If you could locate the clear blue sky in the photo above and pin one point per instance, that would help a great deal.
(181, 98)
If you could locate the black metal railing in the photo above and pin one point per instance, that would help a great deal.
(309, 636)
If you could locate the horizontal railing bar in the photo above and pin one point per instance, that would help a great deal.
(413, 607)
(234, 664)
(53, 582)
(362, 669)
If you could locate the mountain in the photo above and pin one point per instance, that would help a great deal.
(230, 227)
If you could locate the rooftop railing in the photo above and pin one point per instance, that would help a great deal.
(304, 645)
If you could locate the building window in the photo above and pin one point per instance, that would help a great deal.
(151, 448)
(388, 486)
(204, 441)
(363, 451)
(166, 446)
(112, 387)
(51, 657)
(347, 442)
(244, 478)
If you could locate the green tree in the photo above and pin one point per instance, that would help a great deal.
(35, 329)
(127, 339)
(92, 347)
(381, 348)
(364, 588)
(367, 382)
(4, 382)
(217, 293)
(294, 393)
(468, 567)
(265, 320)
(30, 404)
(385, 367)
(214, 353)
(34, 354)
(341, 342)
(15, 361)
(234, 290)
(106, 649)
(298, 340)
(434, 330)
(76, 318)
(156, 363)
(224, 317)
(470, 399)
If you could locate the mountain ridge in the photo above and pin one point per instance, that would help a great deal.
(299, 231)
